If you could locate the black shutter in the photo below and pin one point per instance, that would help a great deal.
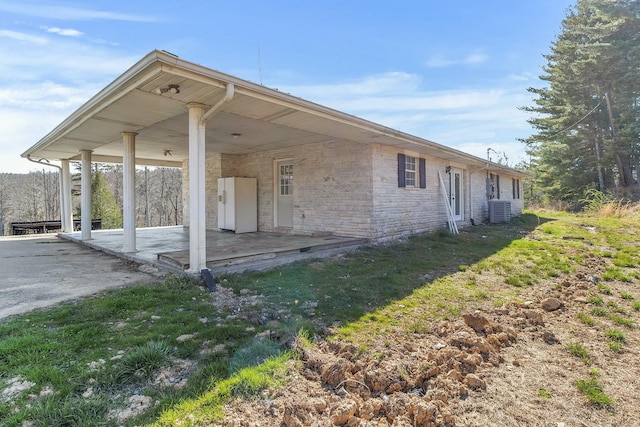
(423, 173)
(402, 163)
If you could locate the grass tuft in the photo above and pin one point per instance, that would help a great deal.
(615, 340)
(600, 312)
(622, 321)
(596, 300)
(594, 392)
(57, 411)
(616, 273)
(616, 335)
(579, 351)
(544, 393)
(141, 362)
(586, 319)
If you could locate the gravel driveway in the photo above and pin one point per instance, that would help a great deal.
(43, 270)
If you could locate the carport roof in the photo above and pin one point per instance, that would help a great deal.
(256, 119)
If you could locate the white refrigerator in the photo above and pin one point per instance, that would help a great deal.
(238, 204)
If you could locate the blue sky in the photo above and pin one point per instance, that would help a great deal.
(454, 72)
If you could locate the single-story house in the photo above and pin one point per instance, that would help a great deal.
(314, 169)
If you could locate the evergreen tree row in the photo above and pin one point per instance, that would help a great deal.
(587, 117)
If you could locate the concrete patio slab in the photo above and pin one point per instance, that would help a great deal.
(227, 252)
(41, 270)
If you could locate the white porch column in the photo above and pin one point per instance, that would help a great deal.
(197, 205)
(66, 212)
(85, 202)
(129, 191)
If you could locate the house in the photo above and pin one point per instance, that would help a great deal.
(316, 170)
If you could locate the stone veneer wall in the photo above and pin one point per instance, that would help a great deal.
(402, 211)
(478, 195)
(331, 187)
(331, 193)
(349, 189)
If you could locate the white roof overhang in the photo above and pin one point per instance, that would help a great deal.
(265, 119)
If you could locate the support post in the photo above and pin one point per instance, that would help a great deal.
(197, 205)
(85, 202)
(129, 191)
(66, 212)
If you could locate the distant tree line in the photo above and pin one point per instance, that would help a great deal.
(587, 116)
(36, 196)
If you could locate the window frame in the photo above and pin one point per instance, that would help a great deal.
(419, 171)
(410, 172)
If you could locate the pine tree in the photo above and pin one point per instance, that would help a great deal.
(103, 203)
(587, 116)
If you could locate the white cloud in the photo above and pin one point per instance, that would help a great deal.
(64, 31)
(476, 58)
(31, 110)
(47, 81)
(439, 61)
(374, 85)
(522, 77)
(44, 58)
(393, 92)
(53, 11)
(23, 37)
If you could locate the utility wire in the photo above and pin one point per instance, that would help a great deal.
(576, 123)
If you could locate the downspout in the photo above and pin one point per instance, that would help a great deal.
(228, 96)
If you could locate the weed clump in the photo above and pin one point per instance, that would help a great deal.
(593, 390)
(578, 350)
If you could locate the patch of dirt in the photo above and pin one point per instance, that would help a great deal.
(504, 366)
(137, 404)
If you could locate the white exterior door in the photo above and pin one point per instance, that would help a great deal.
(284, 193)
(456, 196)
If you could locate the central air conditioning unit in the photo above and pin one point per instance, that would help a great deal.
(499, 211)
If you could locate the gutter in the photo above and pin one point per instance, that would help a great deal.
(28, 156)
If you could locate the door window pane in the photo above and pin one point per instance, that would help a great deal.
(286, 180)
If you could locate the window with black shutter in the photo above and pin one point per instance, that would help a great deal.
(412, 172)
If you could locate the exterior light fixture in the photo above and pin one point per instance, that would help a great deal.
(167, 153)
(236, 135)
(171, 89)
